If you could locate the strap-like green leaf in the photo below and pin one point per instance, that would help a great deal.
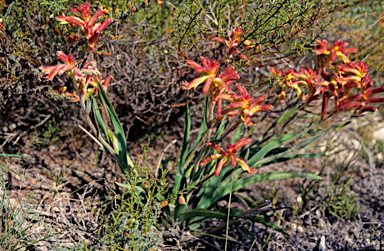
(343, 124)
(163, 167)
(233, 176)
(295, 156)
(237, 135)
(267, 223)
(180, 172)
(299, 146)
(246, 233)
(179, 209)
(176, 185)
(287, 115)
(271, 145)
(213, 183)
(191, 152)
(122, 142)
(203, 128)
(306, 142)
(221, 191)
(202, 213)
(221, 128)
(184, 150)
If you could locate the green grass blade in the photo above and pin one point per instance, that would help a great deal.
(9, 169)
(13, 155)
(246, 233)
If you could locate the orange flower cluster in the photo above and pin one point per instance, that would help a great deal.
(217, 86)
(214, 84)
(86, 22)
(244, 105)
(348, 83)
(84, 79)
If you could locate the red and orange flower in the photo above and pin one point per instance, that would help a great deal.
(234, 42)
(327, 56)
(214, 84)
(228, 156)
(87, 22)
(245, 104)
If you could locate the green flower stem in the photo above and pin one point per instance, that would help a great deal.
(85, 116)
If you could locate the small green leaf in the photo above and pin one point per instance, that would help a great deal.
(138, 189)
(344, 124)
